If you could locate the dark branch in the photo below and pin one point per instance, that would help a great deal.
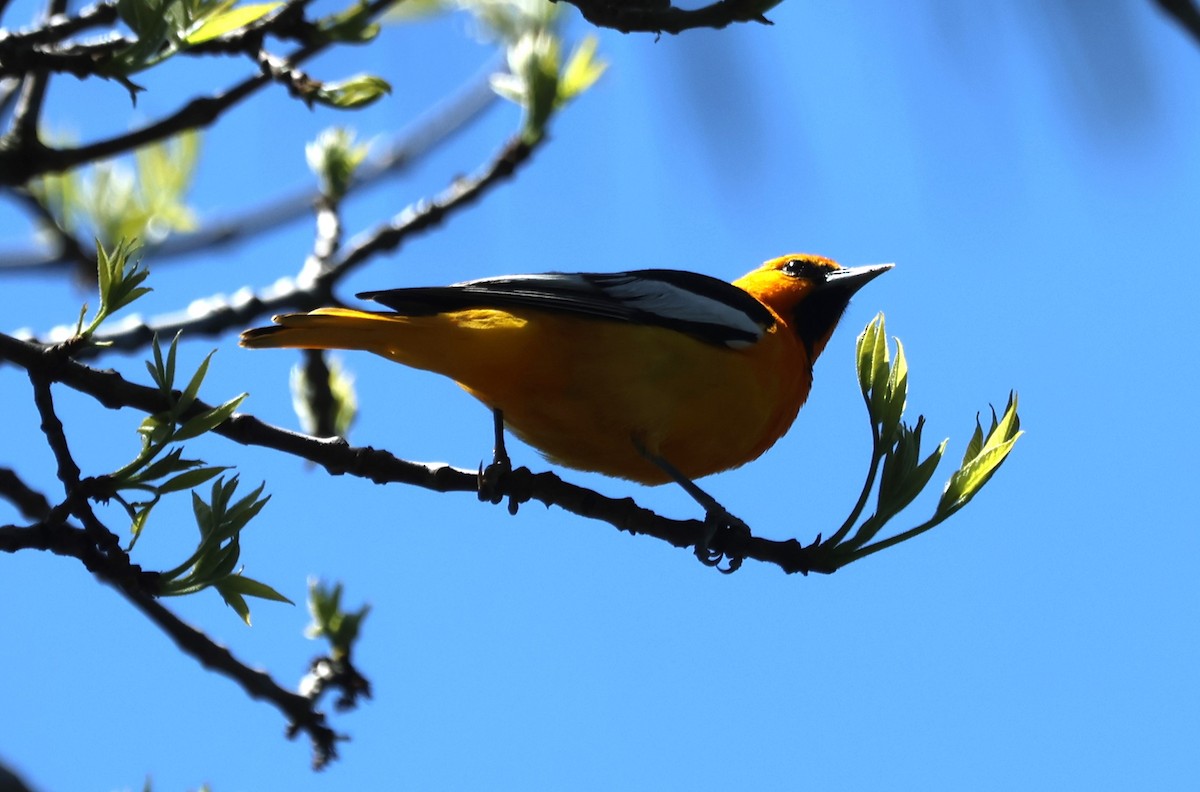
(1185, 12)
(300, 710)
(228, 312)
(63, 539)
(339, 458)
(69, 250)
(22, 158)
(438, 127)
(60, 27)
(651, 17)
(423, 216)
(30, 502)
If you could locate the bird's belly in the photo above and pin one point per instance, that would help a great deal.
(590, 402)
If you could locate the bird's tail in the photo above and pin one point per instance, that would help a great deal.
(325, 328)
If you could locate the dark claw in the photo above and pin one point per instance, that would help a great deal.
(720, 522)
(492, 479)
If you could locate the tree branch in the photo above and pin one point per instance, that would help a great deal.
(63, 539)
(423, 216)
(22, 158)
(440, 125)
(339, 458)
(30, 502)
(1185, 12)
(300, 710)
(651, 17)
(223, 312)
(60, 27)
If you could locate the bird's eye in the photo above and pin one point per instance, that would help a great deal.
(805, 268)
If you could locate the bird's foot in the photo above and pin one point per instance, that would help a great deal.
(731, 531)
(499, 480)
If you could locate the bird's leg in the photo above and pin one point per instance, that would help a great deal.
(716, 516)
(493, 477)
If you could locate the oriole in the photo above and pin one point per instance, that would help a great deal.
(650, 375)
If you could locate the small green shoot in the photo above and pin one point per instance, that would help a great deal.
(896, 458)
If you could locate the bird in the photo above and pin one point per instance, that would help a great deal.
(652, 375)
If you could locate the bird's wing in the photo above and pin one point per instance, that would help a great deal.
(706, 308)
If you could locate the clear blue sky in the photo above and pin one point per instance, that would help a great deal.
(1033, 168)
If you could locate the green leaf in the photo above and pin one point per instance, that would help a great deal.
(203, 514)
(223, 22)
(582, 71)
(193, 387)
(171, 463)
(330, 622)
(139, 523)
(118, 281)
(352, 93)
(416, 10)
(208, 420)
(975, 444)
(190, 479)
(245, 510)
(872, 355)
(903, 481)
(979, 467)
(234, 600)
(224, 560)
(352, 26)
(896, 398)
(151, 25)
(334, 157)
(155, 429)
(170, 368)
(253, 588)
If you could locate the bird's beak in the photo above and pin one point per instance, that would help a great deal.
(854, 278)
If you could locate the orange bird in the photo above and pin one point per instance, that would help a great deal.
(649, 375)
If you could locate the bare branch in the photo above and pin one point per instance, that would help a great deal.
(60, 27)
(30, 502)
(651, 17)
(221, 313)
(301, 711)
(423, 216)
(1185, 12)
(440, 125)
(63, 539)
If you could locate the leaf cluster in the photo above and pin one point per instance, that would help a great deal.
(896, 457)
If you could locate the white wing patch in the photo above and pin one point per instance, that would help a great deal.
(677, 304)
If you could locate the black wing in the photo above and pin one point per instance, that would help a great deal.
(706, 308)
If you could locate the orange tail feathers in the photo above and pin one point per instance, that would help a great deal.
(324, 328)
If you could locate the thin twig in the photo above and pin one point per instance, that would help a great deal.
(70, 252)
(424, 216)
(64, 539)
(437, 127)
(20, 163)
(300, 710)
(220, 313)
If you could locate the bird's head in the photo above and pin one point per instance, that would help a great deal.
(808, 293)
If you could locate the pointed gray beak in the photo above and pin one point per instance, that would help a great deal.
(854, 278)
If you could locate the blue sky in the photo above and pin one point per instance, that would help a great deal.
(1034, 171)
